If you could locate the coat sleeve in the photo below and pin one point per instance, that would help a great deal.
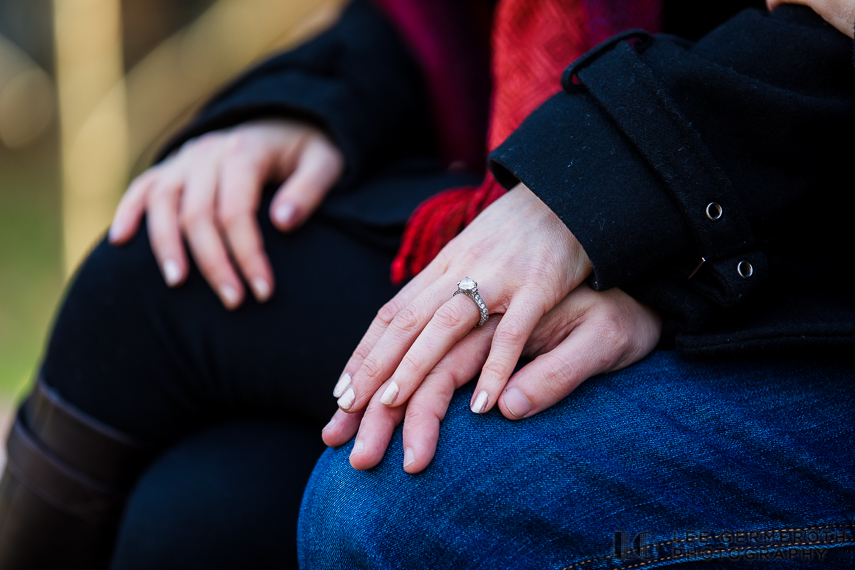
(697, 174)
(357, 81)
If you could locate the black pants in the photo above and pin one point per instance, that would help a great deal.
(171, 366)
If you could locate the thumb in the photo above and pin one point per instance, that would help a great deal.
(319, 166)
(551, 377)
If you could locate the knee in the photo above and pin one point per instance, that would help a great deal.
(111, 276)
(225, 497)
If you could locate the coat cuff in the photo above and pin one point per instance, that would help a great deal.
(571, 155)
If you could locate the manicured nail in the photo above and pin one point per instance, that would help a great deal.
(285, 214)
(346, 401)
(329, 425)
(171, 272)
(115, 231)
(358, 447)
(409, 457)
(389, 396)
(229, 295)
(341, 385)
(480, 404)
(261, 288)
(517, 403)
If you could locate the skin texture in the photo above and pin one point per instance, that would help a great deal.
(531, 268)
(838, 13)
(527, 260)
(208, 194)
(588, 333)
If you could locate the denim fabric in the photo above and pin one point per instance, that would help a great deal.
(668, 463)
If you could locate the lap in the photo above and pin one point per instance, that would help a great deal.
(663, 446)
(155, 362)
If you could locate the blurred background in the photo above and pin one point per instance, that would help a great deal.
(88, 90)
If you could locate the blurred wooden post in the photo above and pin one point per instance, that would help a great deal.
(93, 118)
(108, 119)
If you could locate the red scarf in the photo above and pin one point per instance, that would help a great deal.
(532, 42)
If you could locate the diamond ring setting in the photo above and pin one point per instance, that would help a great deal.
(469, 287)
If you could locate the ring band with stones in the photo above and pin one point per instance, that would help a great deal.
(469, 288)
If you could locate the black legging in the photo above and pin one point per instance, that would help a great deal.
(161, 364)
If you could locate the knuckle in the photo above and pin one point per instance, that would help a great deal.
(230, 218)
(192, 217)
(412, 362)
(371, 367)
(510, 335)
(556, 373)
(406, 321)
(451, 315)
(387, 312)
(613, 332)
(494, 369)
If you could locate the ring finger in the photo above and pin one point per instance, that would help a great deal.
(397, 338)
(451, 322)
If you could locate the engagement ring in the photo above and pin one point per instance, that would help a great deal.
(469, 288)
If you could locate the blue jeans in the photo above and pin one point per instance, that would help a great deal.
(741, 464)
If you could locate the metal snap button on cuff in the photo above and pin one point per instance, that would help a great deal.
(714, 211)
(745, 269)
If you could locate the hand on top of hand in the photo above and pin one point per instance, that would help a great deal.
(586, 334)
(838, 13)
(525, 261)
(209, 191)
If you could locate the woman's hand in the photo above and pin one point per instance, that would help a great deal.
(588, 333)
(209, 191)
(525, 261)
(838, 13)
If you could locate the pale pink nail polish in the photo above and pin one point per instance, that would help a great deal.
(285, 214)
(480, 404)
(229, 295)
(341, 385)
(171, 272)
(390, 395)
(347, 399)
(261, 288)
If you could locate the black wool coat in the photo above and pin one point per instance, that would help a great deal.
(704, 172)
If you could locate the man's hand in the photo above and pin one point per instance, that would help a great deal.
(588, 333)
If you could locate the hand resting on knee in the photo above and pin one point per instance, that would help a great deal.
(208, 193)
(422, 344)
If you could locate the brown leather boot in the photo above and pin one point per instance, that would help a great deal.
(64, 487)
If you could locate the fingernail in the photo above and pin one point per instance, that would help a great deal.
(341, 385)
(171, 272)
(346, 401)
(517, 403)
(229, 295)
(329, 425)
(358, 447)
(284, 214)
(261, 288)
(480, 404)
(409, 457)
(115, 232)
(389, 396)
